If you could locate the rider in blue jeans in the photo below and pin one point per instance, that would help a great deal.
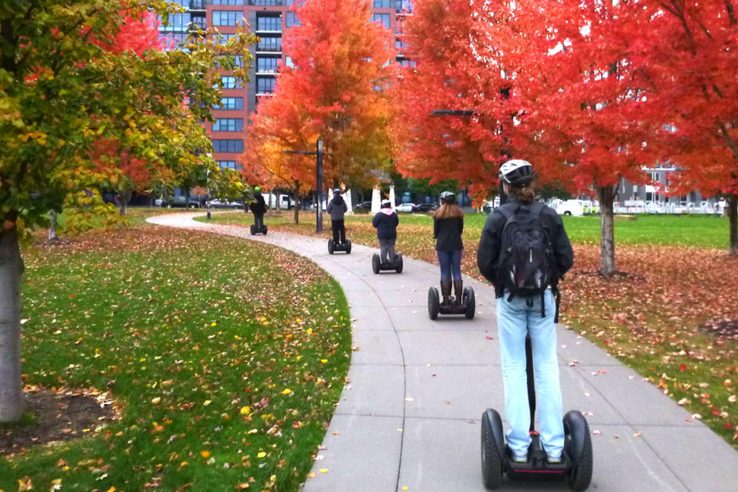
(448, 224)
(518, 316)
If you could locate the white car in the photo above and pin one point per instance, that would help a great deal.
(569, 207)
(406, 207)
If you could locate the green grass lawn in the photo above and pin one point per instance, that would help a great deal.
(226, 357)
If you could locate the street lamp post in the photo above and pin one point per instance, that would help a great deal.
(318, 179)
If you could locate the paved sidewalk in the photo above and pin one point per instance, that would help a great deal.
(410, 417)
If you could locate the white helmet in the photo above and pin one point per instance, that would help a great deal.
(517, 172)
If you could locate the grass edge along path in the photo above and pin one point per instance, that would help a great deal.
(651, 317)
(228, 359)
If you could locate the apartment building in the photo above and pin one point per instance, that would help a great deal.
(269, 19)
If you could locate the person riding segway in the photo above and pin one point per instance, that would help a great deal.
(524, 251)
(257, 205)
(337, 208)
(385, 222)
(448, 224)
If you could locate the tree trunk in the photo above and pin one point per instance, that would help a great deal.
(11, 268)
(52, 226)
(123, 198)
(733, 220)
(606, 196)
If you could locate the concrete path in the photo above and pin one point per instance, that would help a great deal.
(410, 417)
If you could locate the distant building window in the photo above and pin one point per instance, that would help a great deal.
(228, 125)
(406, 63)
(382, 4)
(272, 43)
(199, 21)
(265, 85)
(223, 38)
(291, 19)
(266, 64)
(176, 22)
(230, 146)
(266, 2)
(269, 23)
(228, 164)
(226, 17)
(404, 5)
(228, 2)
(230, 103)
(383, 19)
(231, 82)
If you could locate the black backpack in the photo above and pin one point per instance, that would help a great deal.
(526, 262)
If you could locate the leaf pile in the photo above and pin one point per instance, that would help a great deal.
(227, 358)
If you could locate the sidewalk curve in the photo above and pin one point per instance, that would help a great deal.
(410, 417)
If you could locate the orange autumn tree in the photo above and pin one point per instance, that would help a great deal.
(335, 88)
(688, 58)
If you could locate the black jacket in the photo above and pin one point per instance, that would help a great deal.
(490, 243)
(447, 233)
(386, 224)
(258, 206)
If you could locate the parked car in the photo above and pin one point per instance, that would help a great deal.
(193, 202)
(425, 207)
(363, 208)
(225, 204)
(406, 207)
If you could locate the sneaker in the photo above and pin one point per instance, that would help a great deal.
(554, 460)
(520, 459)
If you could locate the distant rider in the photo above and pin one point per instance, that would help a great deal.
(258, 208)
(337, 208)
(385, 221)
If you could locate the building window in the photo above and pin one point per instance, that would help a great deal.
(382, 4)
(404, 6)
(230, 146)
(265, 85)
(223, 38)
(405, 63)
(230, 103)
(228, 164)
(177, 22)
(231, 82)
(197, 4)
(269, 44)
(269, 23)
(265, 2)
(228, 125)
(228, 2)
(199, 21)
(226, 17)
(266, 64)
(291, 20)
(383, 19)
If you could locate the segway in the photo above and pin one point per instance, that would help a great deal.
(378, 266)
(258, 229)
(576, 460)
(334, 246)
(467, 306)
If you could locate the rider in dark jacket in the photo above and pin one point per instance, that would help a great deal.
(385, 221)
(258, 207)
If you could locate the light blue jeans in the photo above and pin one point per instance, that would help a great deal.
(515, 319)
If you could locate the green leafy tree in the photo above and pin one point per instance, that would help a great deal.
(62, 89)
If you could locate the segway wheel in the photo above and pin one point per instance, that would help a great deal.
(348, 246)
(469, 302)
(578, 445)
(331, 246)
(375, 263)
(253, 230)
(398, 267)
(433, 303)
(492, 449)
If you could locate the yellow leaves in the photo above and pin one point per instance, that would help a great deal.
(261, 454)
(323, 361)
(323, 470)
(25, 483)
(286, 391)
(246, 410)
(112, 489)
(156, 401)
(309, 331)
(207, 403)
(205, 453)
